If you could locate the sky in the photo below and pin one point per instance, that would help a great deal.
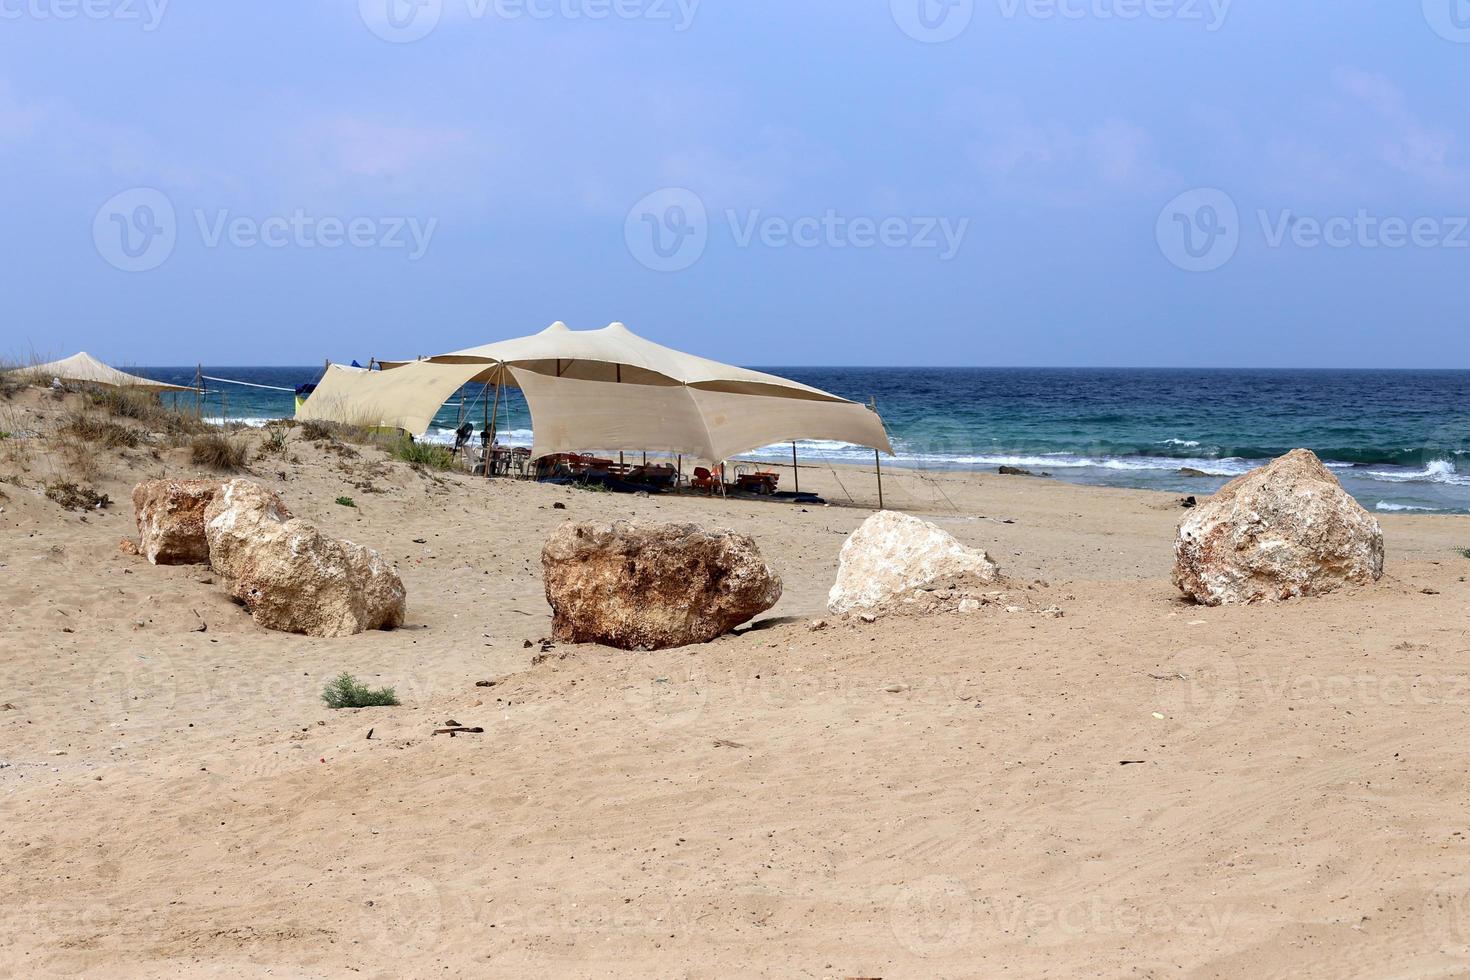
(1215, 183)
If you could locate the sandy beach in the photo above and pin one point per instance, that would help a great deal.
(1136, 786)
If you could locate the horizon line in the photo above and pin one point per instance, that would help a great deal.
(925, 367)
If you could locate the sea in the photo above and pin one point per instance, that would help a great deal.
(1398, 440)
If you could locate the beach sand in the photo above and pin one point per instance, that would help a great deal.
(1139, 787)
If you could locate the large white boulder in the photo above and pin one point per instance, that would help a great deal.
(893, 555)
(292, 577)
(1287, 529)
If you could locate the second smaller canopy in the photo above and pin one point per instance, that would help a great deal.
(83, 368)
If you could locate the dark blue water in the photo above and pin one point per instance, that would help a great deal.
(1399, 440)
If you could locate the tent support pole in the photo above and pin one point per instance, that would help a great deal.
(795, 471)
(494, 421)
(877, 458)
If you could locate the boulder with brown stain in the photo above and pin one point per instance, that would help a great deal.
(292, 577)
(647, 586)
(1285, 530)
(170, 515)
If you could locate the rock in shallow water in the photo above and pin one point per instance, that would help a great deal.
(292, 577)
(1287, 529)
(170, 515)
(646, 585)
(891, 555)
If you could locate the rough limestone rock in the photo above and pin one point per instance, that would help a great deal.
(170, 516)
(640, 585)
(292, 577)
(1287, 529)
(894, 555)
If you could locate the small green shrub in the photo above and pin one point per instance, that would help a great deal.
(274, 443)
(346, 692)
(424, 454)
(346, 501)
(1465, 552)
(217, 451)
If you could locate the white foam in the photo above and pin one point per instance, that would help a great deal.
(1438, 471)
(1385, 505)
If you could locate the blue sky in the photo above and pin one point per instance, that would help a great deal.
(1062, 182)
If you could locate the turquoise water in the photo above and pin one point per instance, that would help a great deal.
(1398, 440)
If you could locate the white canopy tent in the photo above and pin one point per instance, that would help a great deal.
(83, 368)
(605, 389)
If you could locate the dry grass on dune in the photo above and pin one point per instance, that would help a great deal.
(104, 433)
(218, 451)
(148, 410)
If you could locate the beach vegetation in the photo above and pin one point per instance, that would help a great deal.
(217, 451)
(274, 443)
(75, 496)
(148, 409)
(100, 431)
(423, 454)
(315, 430)
(1465, 552)
(347, 692)
(346, 502)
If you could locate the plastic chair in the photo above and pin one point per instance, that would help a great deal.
(704, 480)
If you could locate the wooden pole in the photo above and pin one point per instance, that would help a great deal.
(495, 410)
(494, 421)
(878, 466)
(877, 460)
(795, 471)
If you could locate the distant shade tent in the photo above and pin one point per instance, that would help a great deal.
(605, 389)
(84, 369)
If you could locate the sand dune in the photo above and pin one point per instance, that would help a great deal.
(1140, 787)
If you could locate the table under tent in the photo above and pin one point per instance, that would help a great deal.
(605, 390)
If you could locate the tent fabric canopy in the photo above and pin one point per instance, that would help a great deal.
(605, 389)
(83, 368)
(569, 415)
(405, 398)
